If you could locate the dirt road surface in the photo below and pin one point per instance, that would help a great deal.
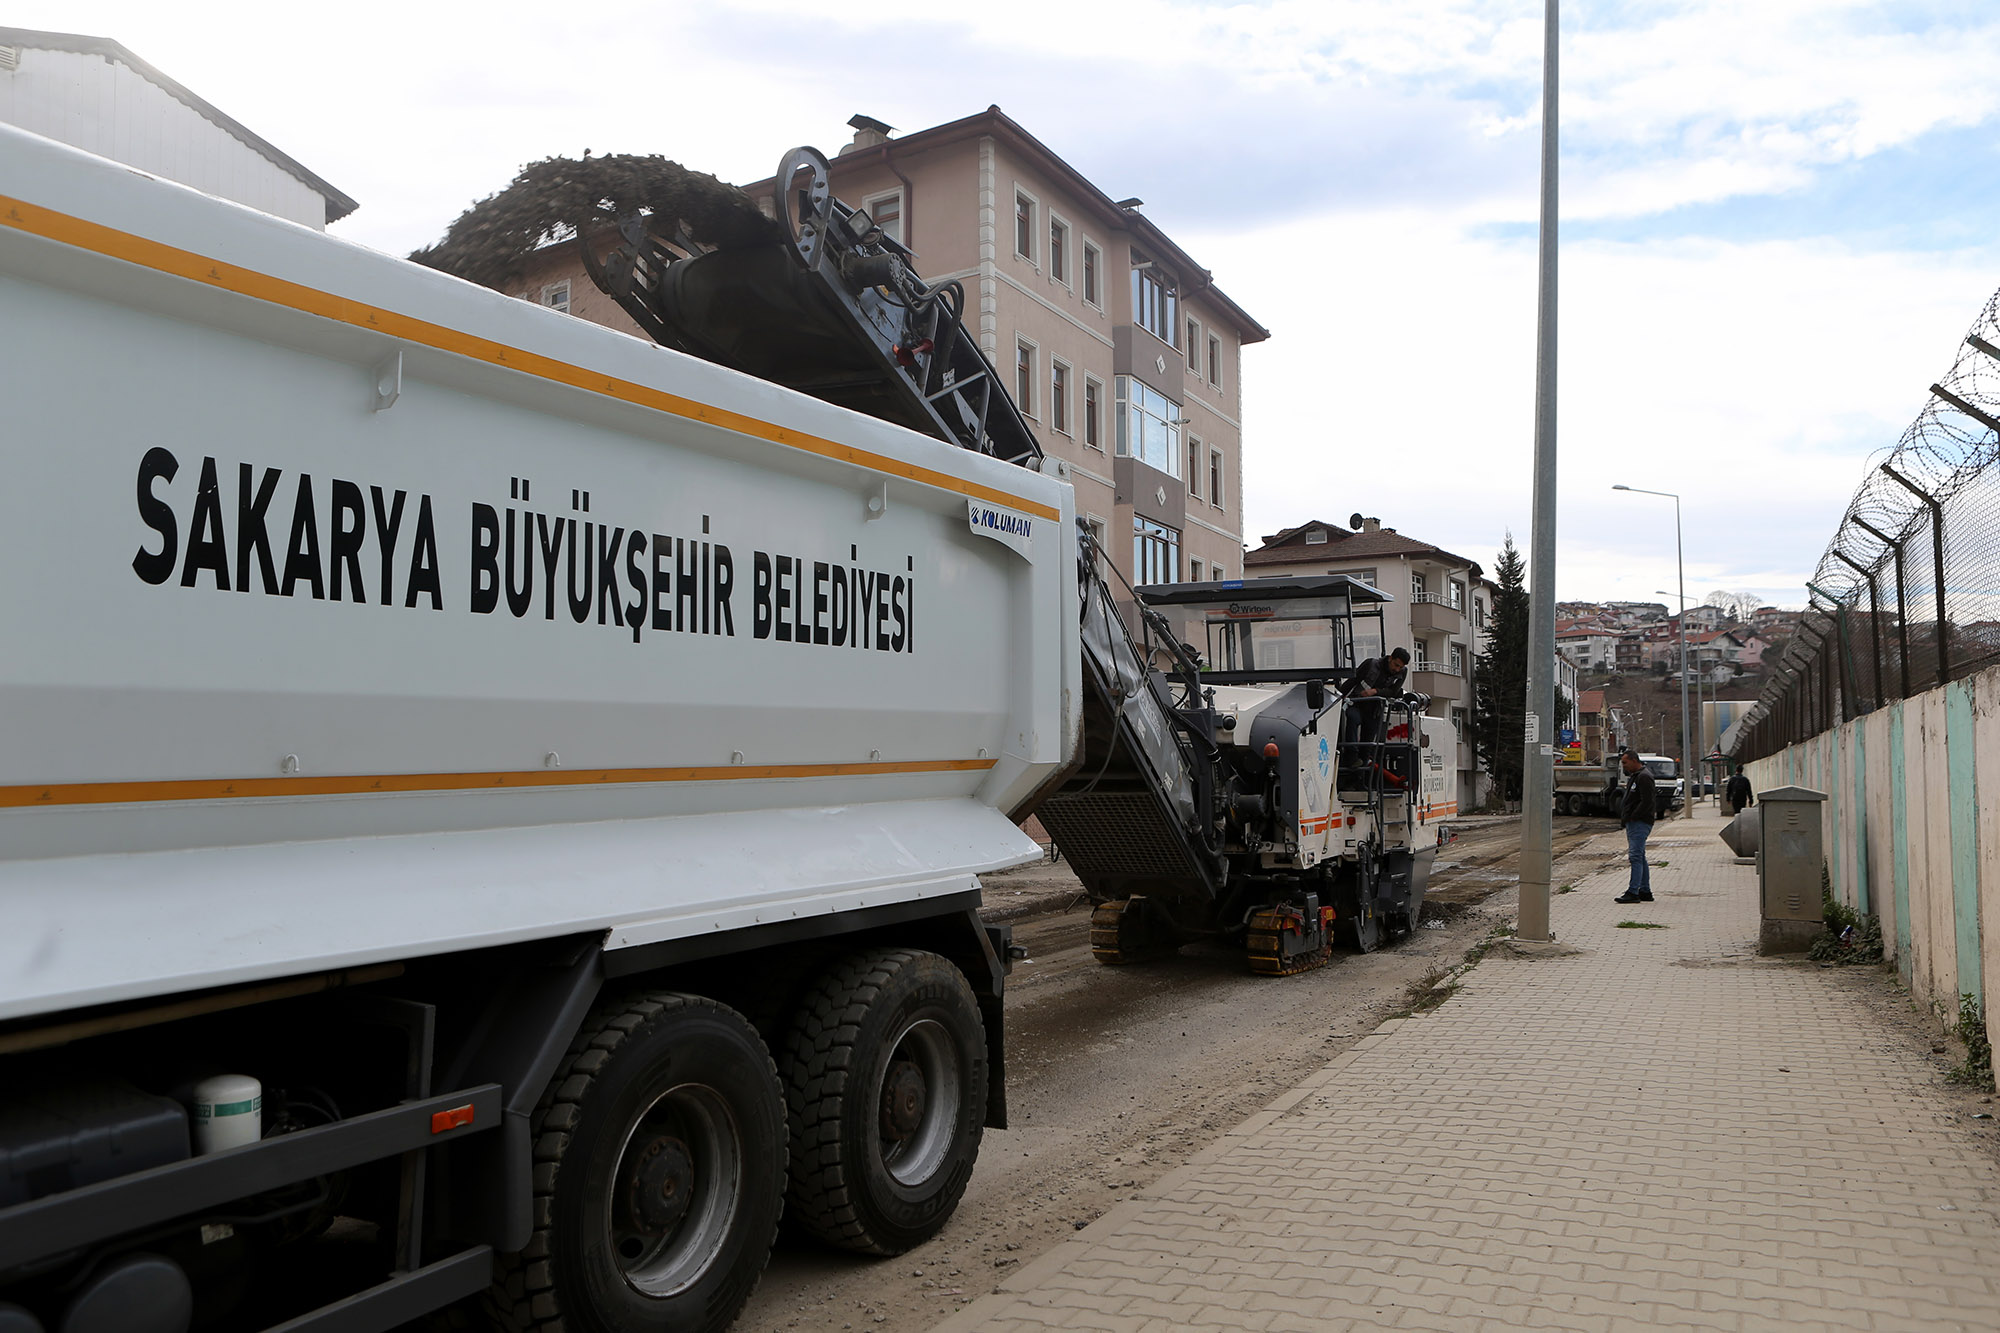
(1117, 1075)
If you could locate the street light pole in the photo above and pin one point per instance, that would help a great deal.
(1538, 774)
(1680, 573)
(1687, 737)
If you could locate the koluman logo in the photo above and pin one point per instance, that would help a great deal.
(1014, 524)
(1014, 530)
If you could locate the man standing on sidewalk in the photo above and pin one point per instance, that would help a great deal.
(1636, 814)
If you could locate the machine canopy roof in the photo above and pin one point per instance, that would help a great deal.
(1283, 589)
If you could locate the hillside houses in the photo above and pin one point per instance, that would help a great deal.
(1638, 638)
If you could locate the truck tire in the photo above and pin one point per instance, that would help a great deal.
(885, 1079)
(658, 1176)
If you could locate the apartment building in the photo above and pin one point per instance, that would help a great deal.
(1441, 607)
(93, 94)
(1124, 355)
(1593, 647)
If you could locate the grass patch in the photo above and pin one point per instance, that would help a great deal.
(1567, 888)
(1425, 993)
(1659, 865)
(1977, 1069)
(1848, 936)
(1642, 925)
(1478, 951)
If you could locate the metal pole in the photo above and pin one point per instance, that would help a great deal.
(1687, 755)
(1874, 628)
(1937, 544)
(1895, 545)
(1538, 748)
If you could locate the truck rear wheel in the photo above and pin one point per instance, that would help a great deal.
(885, 1079)
(659, 1175)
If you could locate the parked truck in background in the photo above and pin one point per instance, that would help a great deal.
(1595, 786)
(484, 798)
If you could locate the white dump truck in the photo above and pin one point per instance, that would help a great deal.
(486, 803)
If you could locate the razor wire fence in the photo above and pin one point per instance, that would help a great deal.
(1907, 595)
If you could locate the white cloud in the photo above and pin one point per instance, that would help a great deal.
(1752, 378)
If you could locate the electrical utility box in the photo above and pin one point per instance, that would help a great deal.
(1789, 863)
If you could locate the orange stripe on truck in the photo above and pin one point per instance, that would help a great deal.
(162, 258)
(230, 789)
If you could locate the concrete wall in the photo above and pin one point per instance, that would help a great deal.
(1912, 830)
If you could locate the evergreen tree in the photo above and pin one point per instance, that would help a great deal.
(1500, 678)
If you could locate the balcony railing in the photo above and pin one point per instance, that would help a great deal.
(1428, 611)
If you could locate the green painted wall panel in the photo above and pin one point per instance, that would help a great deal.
(1899, 824)
(1863, 903)
(1963, 782)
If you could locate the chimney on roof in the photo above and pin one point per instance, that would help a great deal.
(1372, 525)
(868, 132)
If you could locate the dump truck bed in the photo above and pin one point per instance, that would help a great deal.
(355, 613)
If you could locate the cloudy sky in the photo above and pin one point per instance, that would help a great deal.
(1777, 214)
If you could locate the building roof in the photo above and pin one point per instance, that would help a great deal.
(1289, 547)
(1590, 701)
(338, 204)
(1195, 280)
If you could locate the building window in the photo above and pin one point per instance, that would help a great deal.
(1024, 377)
(1215, 361)
(1024, 226)
(1366, 576)
(1095, 527)
(1058, 250)
(1194, 467)
(1194, 346)
(1156, 552)
(1093, 413)
(1215, 477)
(1194, 571)
(1458, 659)
(556, 296)
(1148, 425)
(1093, 265)
(1457, 594)
(1479, 613)
(1417, 586)
(1317, 537)
(887, 212)
(1155, 303)
(1059, 395)
(1461, 721)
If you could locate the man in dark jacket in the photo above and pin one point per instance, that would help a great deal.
(1378, 678)
(1737, 793)
(1636, 814)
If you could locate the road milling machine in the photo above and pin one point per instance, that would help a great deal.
(1226, 788)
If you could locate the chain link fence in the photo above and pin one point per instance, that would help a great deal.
(1907, 596)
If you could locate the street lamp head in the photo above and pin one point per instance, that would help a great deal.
(1621, 488)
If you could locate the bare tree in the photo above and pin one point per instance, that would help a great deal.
(1736, 605)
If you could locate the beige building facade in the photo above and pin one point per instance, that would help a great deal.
(1124, 355)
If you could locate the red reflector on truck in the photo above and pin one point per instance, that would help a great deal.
(456, 1117)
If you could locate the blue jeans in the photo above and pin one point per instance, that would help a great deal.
(1636, 834)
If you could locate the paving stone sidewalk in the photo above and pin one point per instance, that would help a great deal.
(1660, 1130)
